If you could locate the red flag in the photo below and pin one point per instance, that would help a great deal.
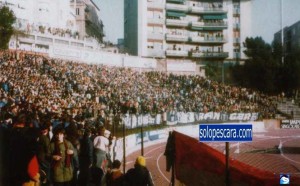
(199, 164)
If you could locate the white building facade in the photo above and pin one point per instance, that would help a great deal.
(187, 31)
(49, 24)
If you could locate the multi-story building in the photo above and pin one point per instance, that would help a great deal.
(88, 18)
(197, 31)
(49, 23)
(291, 39)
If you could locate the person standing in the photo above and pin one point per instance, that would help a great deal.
(85, 158)
(61, 152)
(114, 177)
(44, 160)
(139, 175)
(101, 144)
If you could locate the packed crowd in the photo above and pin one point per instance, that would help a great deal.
(50, 86)
(39, 96)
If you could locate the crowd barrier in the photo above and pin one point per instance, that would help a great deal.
(133, 141)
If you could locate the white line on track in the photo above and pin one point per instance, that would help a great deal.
(160, 169)
(284, 156)
(128, 162)
(154, 149)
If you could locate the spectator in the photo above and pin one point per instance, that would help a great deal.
(61, 152)
(85, 158)
(114, 177)
(101, 144)
(139, 175)
(43, 145)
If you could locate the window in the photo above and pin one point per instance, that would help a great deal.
(77, 11)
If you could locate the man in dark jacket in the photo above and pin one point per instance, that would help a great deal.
(139, 175)
(85, 158)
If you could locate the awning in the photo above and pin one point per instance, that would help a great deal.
(175, 14)
(222, 16)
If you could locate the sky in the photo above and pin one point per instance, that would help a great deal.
(266, 17)
(112, 15)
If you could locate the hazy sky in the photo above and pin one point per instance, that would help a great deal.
(112, 15)
(266, 17)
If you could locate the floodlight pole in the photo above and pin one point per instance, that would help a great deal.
(227, 165)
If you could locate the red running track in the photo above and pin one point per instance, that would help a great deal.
(252, 153)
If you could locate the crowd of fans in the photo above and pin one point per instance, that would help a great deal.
(52, 87)
(31, 28)
(57, 95)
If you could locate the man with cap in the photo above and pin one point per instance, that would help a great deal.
(139, 175)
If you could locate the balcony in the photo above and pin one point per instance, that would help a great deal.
(177, 38)
(156, 21)
(236, 12)
(236, 40)
(208, 26)
(155, 53)
(177, 22)
(156, 5)
(236, 26)
(177, 7)
(211, 40)
(209, 55)
(27, 39)
(155, 36)
(176, 53)
(205, 10)
(237, 55)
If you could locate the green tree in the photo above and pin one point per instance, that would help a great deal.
(7, 19)
(260, 70)
(212, 71)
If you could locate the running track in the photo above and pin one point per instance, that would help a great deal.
(252, 153)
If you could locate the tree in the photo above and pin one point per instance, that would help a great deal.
(7, 19)
(260, 70)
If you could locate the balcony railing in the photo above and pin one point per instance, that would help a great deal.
(236, 26)
(155, 5)
(178, 38)
(155, 36)
(207, 40)
(205, 10)
(236, 40)
(156, 21)
(208, 26)
(177, 7)
(28, 38)
(177, 53)
(177, 22)
(236, 11)
(198, 54)
(176, 1)
(237, 55)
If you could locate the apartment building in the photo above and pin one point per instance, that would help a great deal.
(291, 39)
(50, 23)
(189, 31)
